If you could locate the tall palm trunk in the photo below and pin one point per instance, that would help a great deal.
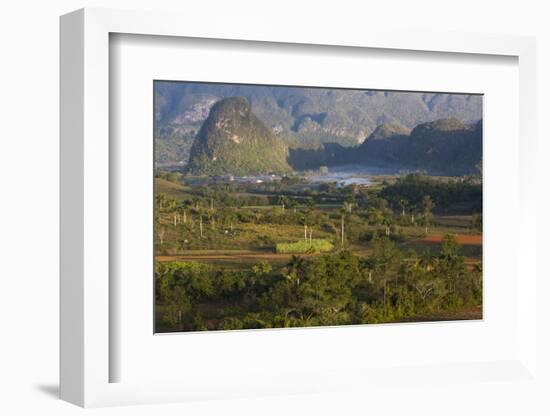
(342, 231)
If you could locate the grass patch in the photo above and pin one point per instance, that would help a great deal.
(317, 245)
(173, 190)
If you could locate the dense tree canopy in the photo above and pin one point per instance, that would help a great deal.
(334, 289)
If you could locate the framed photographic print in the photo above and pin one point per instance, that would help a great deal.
(281, 213)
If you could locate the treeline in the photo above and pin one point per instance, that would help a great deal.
(462, 195)
(172, 176)
(450, 195)
(336, 289)
(295, 188)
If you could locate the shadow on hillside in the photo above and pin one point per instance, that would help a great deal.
(314, 156)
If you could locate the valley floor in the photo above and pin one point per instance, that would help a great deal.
(247, 258)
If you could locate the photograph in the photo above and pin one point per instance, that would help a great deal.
(298, 206)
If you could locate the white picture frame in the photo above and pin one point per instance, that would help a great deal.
(86, 356)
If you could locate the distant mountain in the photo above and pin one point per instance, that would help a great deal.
(301, 116)
(384, 145)
(446, 146)
(232, 140)
(388, 131)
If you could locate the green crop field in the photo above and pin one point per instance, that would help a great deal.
(310, 246)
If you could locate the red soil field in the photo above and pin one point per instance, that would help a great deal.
(464, 239)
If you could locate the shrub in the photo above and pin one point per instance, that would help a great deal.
(231, 323)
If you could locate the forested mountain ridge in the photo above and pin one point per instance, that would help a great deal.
(446, 146)
(305, 116)
(232, 140)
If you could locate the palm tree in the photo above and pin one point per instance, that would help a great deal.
(403, 206)
(348, 205)
(427, 206)
(387, 222)
(199, 210)
(411, 266)
(343, 213)
(412, 211)
(304, 222)
(160, 200)
(426, 262)
(292, 203)
(367, 266)
(230, 216)
(185, 205)
(282, 200)
(295, 269)
(171, 208)
(197, 203)
(212, 219)
(478, 272)
(160, 232)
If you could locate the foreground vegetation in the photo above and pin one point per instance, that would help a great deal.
(283, 253)
(333, 289)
